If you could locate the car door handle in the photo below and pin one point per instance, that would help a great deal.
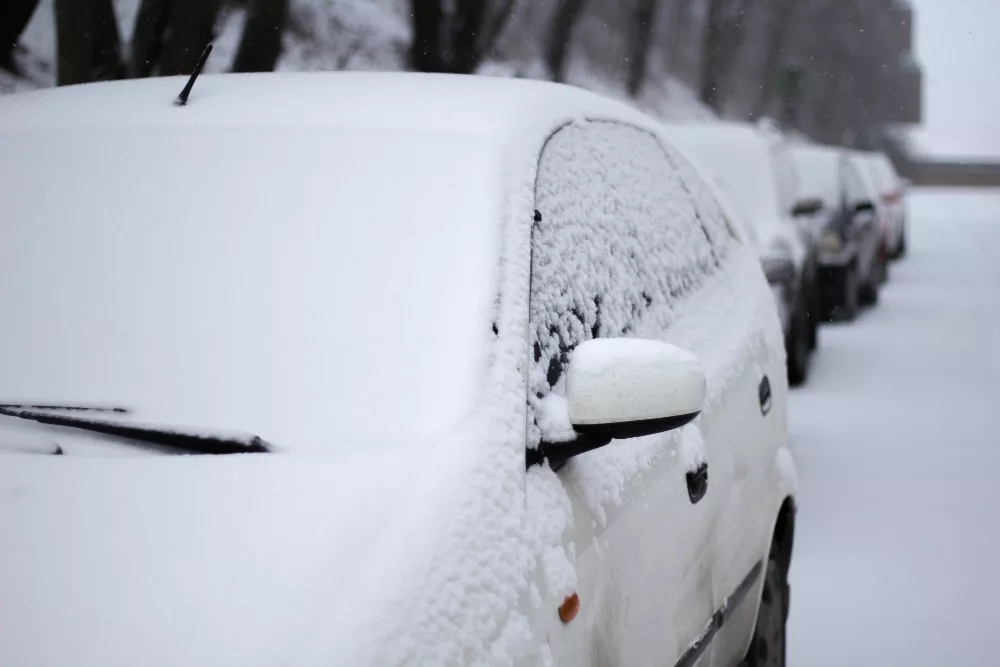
(697, 481)
(764, 395)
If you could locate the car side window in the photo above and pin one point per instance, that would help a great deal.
(621, 239)
(785, 179)
(854, 187)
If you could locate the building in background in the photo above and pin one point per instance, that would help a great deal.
(907, 96)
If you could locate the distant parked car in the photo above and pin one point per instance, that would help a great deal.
(754, 172)
(866, 171)
(890, 203)
(846, 227)
(492, 378)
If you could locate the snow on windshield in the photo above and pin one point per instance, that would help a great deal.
(307, 285)
(619, 243)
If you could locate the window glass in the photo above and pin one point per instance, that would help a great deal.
(627, 230)
(786, 181)
(854, 187)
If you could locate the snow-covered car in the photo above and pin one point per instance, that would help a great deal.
(849, 237)
(884, 212)
(754, 173)
(890, 202)
(488, 375)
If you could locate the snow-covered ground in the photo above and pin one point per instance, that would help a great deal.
(897, 440)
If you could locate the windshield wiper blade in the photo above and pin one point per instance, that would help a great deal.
(186, 440)
(66, 408)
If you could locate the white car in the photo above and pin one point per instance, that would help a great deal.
(487, 375)
(885, 210)
(753, 169)
(890, 202)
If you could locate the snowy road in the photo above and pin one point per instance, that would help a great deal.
(897, 439)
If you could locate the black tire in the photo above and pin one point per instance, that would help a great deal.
(813, 315)
(901, 248)
(798, 349)
(868, 293)
(882, 268)
(852, 295)
(767, 646)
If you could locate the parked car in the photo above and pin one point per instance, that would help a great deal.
(753, 170)
(487, 385)
(891, 191)
(884, 219)
(849, 237)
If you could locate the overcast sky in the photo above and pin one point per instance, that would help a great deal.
(958, 45)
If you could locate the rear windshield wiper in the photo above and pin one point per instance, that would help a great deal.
(180, 438)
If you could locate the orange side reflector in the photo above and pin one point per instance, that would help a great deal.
(569, 608)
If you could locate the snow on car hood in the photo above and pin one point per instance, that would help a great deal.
(241, 560)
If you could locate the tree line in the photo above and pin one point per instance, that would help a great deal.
(819, 66)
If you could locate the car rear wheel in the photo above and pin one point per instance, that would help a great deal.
(901, 247)
(852, 291)
(767, 646)
(798, 349)
(868, 292)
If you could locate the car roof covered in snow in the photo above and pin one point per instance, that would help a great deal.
(450, 104)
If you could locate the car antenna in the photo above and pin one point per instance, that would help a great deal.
(182, 99)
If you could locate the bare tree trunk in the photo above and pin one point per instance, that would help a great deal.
(170, 35)
(645, 14)
(723, 35)
(14, 18)
(260, 45)
(147, 36)
(191, 28)
(427, 21)
(467, 23)
(87, 41)
(565, 17)
(779, 23)
(679, 24)
(455, 42)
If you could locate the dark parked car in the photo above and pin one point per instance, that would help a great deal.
(846, 229)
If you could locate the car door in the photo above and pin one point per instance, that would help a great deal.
(863, 225)
(743, 429)
(618, 250)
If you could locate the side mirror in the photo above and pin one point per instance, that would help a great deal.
(620, 388)
(807, 206)
(779, 270)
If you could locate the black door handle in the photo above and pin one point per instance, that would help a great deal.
(697, 481)
(764, 394)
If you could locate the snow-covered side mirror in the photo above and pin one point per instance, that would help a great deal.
(807, 206)
(620, 388)
(626, 388)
